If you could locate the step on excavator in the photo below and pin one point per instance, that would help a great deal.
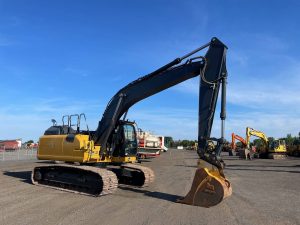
(96, 162)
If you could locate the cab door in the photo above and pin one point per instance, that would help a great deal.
(130, 145)
(125, 141)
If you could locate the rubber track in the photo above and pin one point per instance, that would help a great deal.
(277, 155)
(110, 180)
(148, 173)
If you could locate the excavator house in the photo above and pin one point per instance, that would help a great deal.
(96, 162)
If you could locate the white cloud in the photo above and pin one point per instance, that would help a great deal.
(29, 120)
(183, 124)
(269, 103)
(271, 92)
(276, 125)
(178, 123)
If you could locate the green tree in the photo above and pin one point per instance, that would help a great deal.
(258, 143)
(29, 142)
(271, 139)
(289, 139)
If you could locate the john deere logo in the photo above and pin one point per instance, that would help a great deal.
(209, 188)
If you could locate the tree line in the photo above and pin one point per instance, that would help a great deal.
(289, 140)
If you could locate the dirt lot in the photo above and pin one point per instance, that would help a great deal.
(264, 192)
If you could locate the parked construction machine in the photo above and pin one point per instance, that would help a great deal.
(235, 137)
(241, 151)
(275, 149)
(97, 161)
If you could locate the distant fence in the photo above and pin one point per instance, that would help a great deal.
(18, 154)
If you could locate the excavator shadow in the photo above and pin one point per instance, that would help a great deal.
(154, 194)
(46, 162)
(164, 196)
(232, 158)
(187, 166)
(24, 176)
(145, 160)
(265, 166)
(263, 170)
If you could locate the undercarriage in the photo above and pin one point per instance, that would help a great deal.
(91, 180)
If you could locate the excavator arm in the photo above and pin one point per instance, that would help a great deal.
(209, 186)
(251, 132)
(139, 90)
(237, 137)
(211, 67)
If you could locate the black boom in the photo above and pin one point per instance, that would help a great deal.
(211, 67)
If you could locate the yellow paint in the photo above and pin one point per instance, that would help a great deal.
(78, 149)
(124, 159)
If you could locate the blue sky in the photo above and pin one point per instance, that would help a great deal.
(66, 57)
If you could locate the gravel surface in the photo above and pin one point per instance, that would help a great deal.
(264, 192)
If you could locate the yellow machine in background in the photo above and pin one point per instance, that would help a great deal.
(273, 150)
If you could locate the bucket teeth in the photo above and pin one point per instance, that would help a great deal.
(208, 189)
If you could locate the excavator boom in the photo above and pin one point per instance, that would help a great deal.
(237, 137)
(251, 132)
(211, 67)
(213, 74)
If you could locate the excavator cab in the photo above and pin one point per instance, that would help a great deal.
(124, 140)
(277, 149)
(277, 145)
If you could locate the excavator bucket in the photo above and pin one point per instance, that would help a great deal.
(208, 189)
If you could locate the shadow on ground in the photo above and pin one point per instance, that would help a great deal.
(232, 158)
(238, 165)
(263, 170)
(250, 168)
(187, 166)
(25, 176)
(154, 194)
(145, 160)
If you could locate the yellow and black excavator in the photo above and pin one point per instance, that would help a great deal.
(275, 149)
(98, 161)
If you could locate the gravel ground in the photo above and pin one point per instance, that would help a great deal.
(264, 192)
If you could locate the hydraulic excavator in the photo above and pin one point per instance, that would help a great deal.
(237, 137)
(241, 152)
(275, 149)
(97, 161)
